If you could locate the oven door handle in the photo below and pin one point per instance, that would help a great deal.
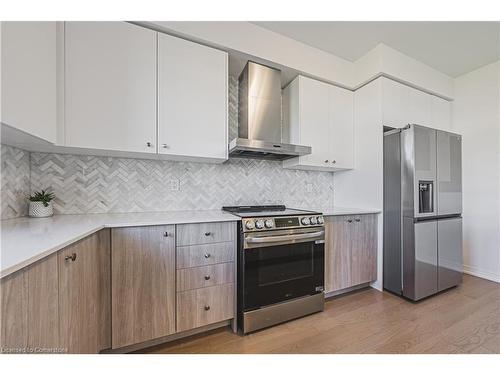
(289, 237)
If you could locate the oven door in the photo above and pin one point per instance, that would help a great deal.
(282, 265)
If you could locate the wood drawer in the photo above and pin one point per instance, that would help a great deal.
(199, 307)
(206, 276)
(204, 255)
(194, 234)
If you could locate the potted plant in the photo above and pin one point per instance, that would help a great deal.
(41, 204)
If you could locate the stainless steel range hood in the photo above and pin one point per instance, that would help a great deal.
(259, 117)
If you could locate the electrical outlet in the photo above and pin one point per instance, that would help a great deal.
(174, 184)
(309, 188)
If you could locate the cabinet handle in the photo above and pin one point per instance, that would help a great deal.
(326, 161)
(207, 277)
(208, 233)
(71, 257)
(349, 221)
(334, 161)
(149, 144)
(164, 145)
(358, 220)
(165, 234)
(207, 307)
(207, 255)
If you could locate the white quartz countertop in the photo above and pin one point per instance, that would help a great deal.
(26, 240)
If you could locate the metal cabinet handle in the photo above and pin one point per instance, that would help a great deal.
(334, 161)
(358, 220)
(164, 145)
(207, 255)
(165, 234)
(207, 307)
(71, 257)
(349, 221)
(208, 233)
(149, 144)
(207, 277)
(326, 161)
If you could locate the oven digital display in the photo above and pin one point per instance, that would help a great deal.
(283, 222)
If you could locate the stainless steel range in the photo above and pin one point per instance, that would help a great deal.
(280, 265)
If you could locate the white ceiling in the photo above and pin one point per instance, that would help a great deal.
(453, 48)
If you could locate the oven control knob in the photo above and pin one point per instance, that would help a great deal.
(305, 221)
(313, 220)
(250, 224)
(259, 224)
(269, 223)
(320, 219)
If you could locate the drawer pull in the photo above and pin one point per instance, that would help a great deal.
(208, 233)
(207, 307)
(71, 257)
(165, 234)
(207, 255)
(207, 277)
(349, 221)
(358, 220)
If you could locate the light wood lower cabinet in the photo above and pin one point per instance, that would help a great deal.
(200, 307)
(350, 251)
(143, 283)
(30, 315)
(85, 294)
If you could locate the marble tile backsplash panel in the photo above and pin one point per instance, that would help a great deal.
(91, 184)
(15, 185)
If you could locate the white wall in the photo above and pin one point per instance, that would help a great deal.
(363, 186)
(476, 115)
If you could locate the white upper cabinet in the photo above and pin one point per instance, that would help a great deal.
(403, 105)
(419, 107)
(341, 127)
(28, 84)
(110, 86)
(319, 115)
(192, 100)
(440, 114)
(394, 103)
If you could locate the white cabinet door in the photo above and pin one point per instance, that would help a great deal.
(440, 114)
(341, 127)
(394, 103)
(315, 122)
(192, 99)
(110, 86)
(28, 85)
(419, 107)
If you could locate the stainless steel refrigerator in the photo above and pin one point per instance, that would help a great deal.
(422, 211)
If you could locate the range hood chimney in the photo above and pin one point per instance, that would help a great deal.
(259, 117)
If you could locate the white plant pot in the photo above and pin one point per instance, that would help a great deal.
(37, 209)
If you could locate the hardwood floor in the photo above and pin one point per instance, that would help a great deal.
(465, 319)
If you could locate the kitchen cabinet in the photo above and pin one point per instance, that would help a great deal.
(319, 115)
(110, 86)
(440, 113)
(350, 251)
(84, 294)
(143, 283)
(192, 99)
(29, 85)
(205, 274)
(29, 307)
(403, 105)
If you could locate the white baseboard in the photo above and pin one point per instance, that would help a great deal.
(474, 271)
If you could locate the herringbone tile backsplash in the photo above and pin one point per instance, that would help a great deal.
(92, 184)
(15, 174)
